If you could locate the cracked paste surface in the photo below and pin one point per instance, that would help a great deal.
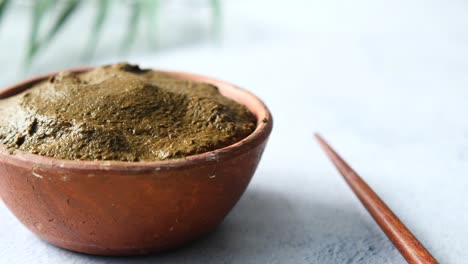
(121, 112)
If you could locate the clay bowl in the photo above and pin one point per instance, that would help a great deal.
(130, 208)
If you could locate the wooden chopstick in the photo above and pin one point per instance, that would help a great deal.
(411, 249)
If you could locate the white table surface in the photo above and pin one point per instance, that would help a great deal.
(385, 81)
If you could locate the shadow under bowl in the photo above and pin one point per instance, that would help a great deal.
(131, 208)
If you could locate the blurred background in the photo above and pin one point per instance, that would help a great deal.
(385, 81)
(44, 35)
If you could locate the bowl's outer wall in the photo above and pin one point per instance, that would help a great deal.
(107, 208)
(125, 213)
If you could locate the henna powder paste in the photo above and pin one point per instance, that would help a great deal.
(121, 112)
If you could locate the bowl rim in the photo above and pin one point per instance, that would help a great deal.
(257, 137)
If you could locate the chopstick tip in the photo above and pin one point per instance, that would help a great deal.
(318, 137)
(323, 144)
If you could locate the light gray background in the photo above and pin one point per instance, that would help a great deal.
(385, 81)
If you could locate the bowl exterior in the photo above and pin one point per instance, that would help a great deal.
(125, 212)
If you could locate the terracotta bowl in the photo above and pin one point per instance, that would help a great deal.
(130, 208)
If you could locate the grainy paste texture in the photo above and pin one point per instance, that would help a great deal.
(121, 112)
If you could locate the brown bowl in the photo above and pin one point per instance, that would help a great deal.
(129, 208)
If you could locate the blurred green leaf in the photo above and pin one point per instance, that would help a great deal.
(134, 18)
(3, 7)
(41, 36)
(101, 15)
(39, 9)
(64, 15)
(216, 12)
(152, 13)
